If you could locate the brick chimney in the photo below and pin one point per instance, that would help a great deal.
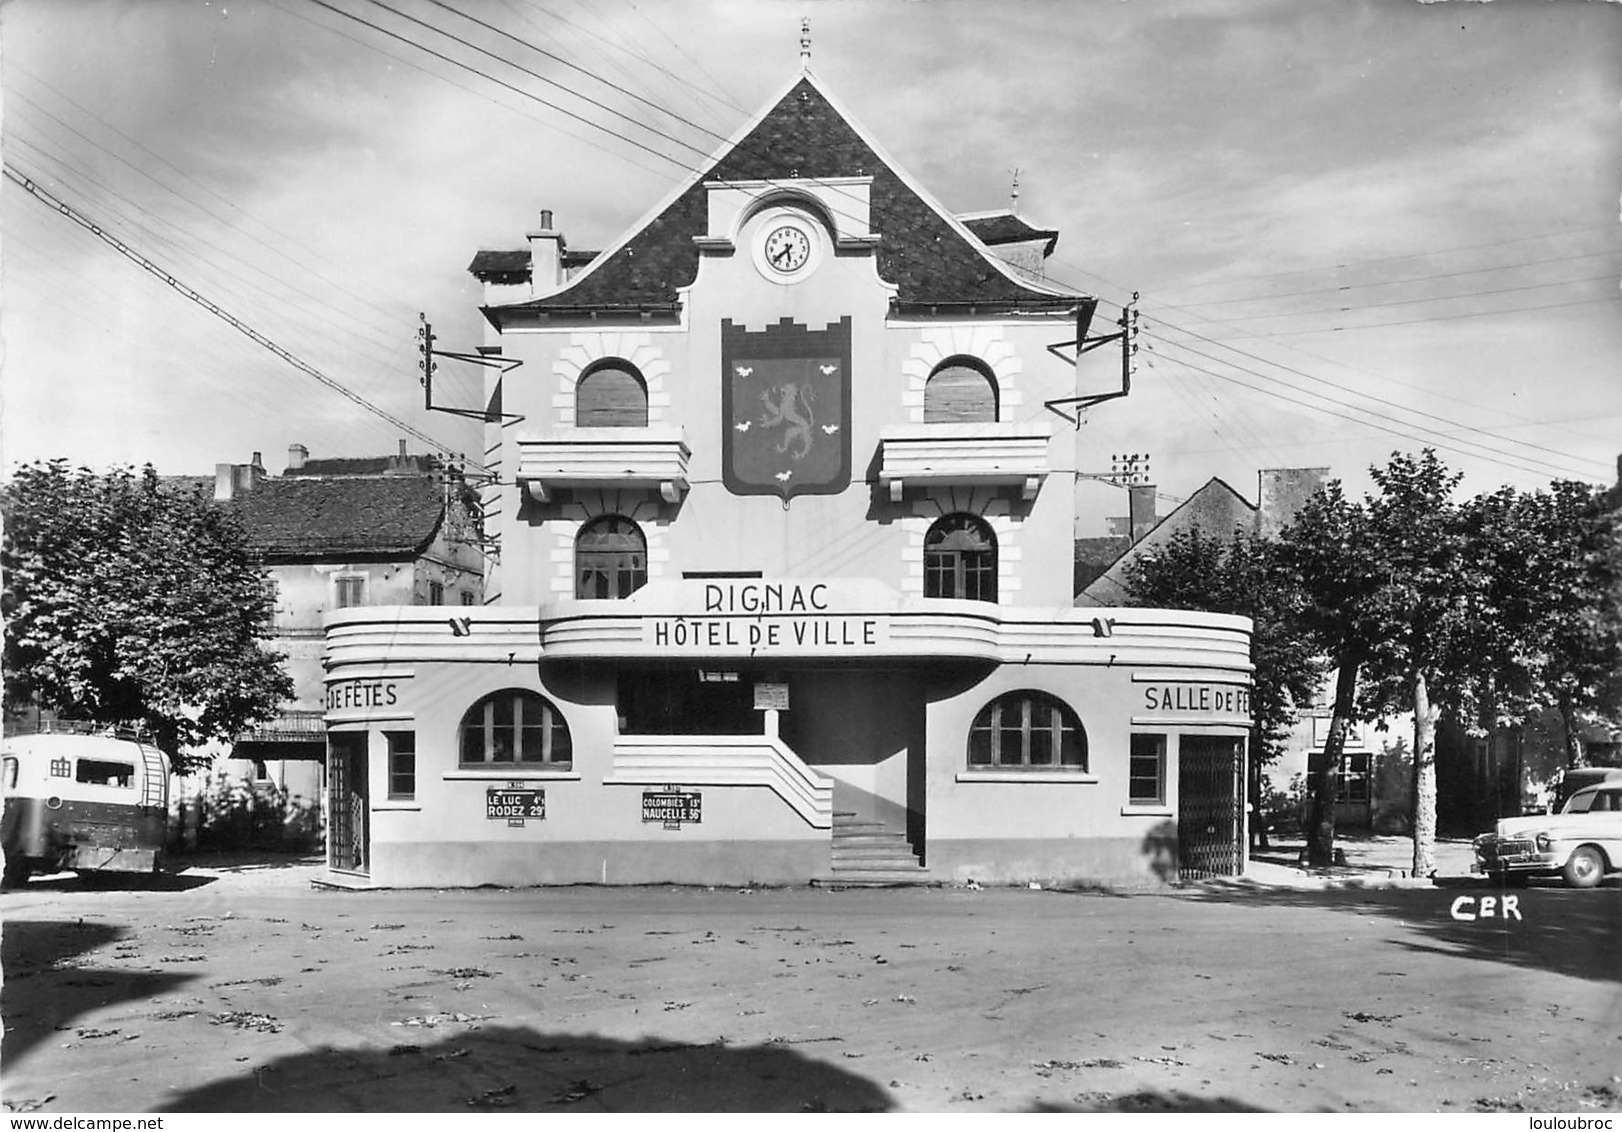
(545, 257)
(296, 455)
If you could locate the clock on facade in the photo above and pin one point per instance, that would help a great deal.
(787, 249)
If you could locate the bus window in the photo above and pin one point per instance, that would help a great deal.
(102, 773)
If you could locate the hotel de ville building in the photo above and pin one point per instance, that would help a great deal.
(784, 490)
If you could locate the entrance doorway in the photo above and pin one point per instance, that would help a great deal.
(348, 847)
(1210, 815)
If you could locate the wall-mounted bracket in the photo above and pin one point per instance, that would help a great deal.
(427, 365)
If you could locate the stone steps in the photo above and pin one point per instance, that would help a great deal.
(866, 853)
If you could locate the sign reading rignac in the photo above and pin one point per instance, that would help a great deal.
(766, 617)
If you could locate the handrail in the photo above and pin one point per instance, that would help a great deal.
(726, 760)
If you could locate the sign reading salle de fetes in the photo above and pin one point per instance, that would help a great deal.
(1182, 696)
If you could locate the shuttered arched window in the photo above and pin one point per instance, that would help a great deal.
(960, 559)
(1028, 731)
(611, 395)
(960, 390)
(515, 726)
(611, 558)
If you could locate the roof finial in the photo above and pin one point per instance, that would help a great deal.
(1013, 195)
(805, 42)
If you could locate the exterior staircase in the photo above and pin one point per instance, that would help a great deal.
(867, 854)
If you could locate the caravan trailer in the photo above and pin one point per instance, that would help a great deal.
(85, 798)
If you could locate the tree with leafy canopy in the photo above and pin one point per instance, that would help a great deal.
(1546, 631)
(1240, 575)
(127, 603)
(1420, 614)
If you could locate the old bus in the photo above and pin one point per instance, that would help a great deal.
(82, 798)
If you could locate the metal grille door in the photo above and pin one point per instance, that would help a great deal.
(346, 802)
(1210, 817)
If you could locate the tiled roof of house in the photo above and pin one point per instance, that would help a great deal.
(997, 228)
(302, 517)
(920, 250)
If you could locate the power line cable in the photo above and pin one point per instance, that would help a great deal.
(1397, 258)
(1609, 276)
(235, 323)
(1397, 282)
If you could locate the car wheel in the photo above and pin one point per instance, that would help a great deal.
(1585, 867)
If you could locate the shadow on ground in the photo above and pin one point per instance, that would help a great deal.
(46, 988)
(244, 862)
(517, 1069)
(165, 881)
(1149, 1100)
(1575, 933)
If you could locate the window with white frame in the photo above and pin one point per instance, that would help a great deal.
(611, 558)
(402, 763)
(348, 591)
(515, 727)
(1146, 770)
(1027, 731)
(960, 559)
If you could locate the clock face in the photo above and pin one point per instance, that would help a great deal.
(787, 248)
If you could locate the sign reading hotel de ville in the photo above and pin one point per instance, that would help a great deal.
(785, 407)
(760, 618)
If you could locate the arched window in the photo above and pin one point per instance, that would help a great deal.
(515, 726)
(1027, 731)
(960, 559)
(611, 394)
(960, 390)
(610, 558)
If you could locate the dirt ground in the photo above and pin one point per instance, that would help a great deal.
(235, 986)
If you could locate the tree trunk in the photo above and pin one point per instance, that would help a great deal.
(1254, 792)
(1568, 727)
(1425, 716)
(1323, 781)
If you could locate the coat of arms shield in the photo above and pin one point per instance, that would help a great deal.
(785, 404)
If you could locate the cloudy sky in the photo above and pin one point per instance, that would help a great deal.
(1355, 226)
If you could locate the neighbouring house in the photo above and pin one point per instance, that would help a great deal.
(1216, 509)
(784, 591)
(335, 534)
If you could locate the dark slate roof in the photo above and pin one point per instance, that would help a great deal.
(804, 136)
(188, 485)
(365, 466)
(501, 267)
(514, 266)
(999, 228)
(304, 518)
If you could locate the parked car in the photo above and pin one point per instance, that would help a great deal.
(1581, 843)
